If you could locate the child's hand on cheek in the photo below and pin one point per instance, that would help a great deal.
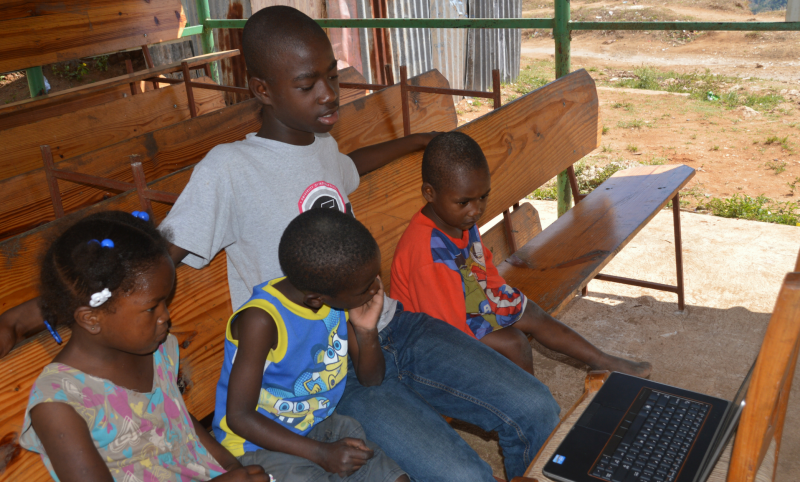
(366, 316)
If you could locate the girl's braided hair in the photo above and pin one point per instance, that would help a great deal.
(75, 267)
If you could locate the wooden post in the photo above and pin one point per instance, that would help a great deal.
(404, 100)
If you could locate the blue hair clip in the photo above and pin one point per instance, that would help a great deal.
(141, 215)
(93, 241)
(107, 243)
(53, 332)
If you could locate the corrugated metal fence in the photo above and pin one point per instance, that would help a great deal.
(489, 49)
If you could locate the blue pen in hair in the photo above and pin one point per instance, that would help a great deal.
(53, 332)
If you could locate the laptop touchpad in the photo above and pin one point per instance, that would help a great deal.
(600, 418)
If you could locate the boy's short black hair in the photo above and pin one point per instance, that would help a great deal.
(449, 156)
(321, 248)
(271, 32)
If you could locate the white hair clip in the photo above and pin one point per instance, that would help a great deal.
(99, 298)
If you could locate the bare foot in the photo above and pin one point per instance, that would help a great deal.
(617, 364)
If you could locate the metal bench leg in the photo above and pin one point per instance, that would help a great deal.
(676, 217)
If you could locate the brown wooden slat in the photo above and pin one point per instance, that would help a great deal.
(526, 142)
(526, 225)
(43, 32)
(553, 267)
(79, 93)
(25, 200)
(86, 130)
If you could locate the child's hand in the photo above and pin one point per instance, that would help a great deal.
(344, 456)
(367, 315)
(251, 473)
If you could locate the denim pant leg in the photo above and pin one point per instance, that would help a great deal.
(462, 378)
(410, 431)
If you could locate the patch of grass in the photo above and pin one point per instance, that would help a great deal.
(605, 130)
(545, 193)
(632, 148)
(759, 208)
(511, 98)
(476, 103)
(631, 124)
(783, 141)
(592, 69)
(715, 148)
(777, 166)
(101, 63)
(607, 148)
(532, 77)
(460, 112)
(74, 70)
(656, 161)
(622, 105)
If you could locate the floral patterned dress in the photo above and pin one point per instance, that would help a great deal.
(143, 437)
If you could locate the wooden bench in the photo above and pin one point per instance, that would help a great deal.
(25, 201)
(526, 142)
(202, 303)
(754, 450)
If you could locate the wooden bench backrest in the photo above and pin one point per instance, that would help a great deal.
(768, 396)
(198, 325)
(526, 142)
(43, 32)
(89, 129)
(25, 199)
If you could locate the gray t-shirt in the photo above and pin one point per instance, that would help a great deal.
(242, 196)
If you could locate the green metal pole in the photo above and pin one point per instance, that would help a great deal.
(561, 33)
(207, 37)
(35, 81)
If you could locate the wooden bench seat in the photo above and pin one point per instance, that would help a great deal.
(25, 200)
(558, 263)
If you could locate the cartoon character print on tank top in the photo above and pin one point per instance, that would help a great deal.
(488, 309)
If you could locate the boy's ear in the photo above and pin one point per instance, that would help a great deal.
(428, 192)
(313, 300)
(88, 319)
(260, 89)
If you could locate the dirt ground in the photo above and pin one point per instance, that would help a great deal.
(733, 271)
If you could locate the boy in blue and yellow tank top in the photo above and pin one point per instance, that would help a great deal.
(286, 357)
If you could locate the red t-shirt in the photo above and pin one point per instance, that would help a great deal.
(435, 274)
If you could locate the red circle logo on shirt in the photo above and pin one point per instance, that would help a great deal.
(321, 195)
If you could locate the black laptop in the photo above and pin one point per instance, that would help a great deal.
(637, 430)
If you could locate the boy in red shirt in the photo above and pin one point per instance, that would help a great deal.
(442, 268)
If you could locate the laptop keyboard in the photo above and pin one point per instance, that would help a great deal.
(653, 439)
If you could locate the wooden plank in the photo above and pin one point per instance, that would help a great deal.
(525, 220)
(350, 74)
(555, 265)
(25, 199)
(39, 32)
(764, 414)
(526, 142)
(199, 310)
(114, 83)
(79, 132)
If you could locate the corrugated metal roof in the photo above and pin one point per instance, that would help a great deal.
(489, 49)
(449, 45)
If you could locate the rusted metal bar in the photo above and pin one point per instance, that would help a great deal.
(224, 88)
(404, 100)
(52, 182)
(573, 183)
(189, 93)
(90, 180)
(140, 184)
(166, 80)
(129, 69)
(496, 90)
(636, 282)
(511, 240)
(387, 69)
(676, 219)
(148, 60)
(439, 90)
(357, 86)
(207, 70)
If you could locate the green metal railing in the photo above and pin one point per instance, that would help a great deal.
(561, 25)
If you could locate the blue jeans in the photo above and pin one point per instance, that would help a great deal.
(433, 369)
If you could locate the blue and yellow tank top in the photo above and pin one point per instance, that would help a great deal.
(304, 376)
